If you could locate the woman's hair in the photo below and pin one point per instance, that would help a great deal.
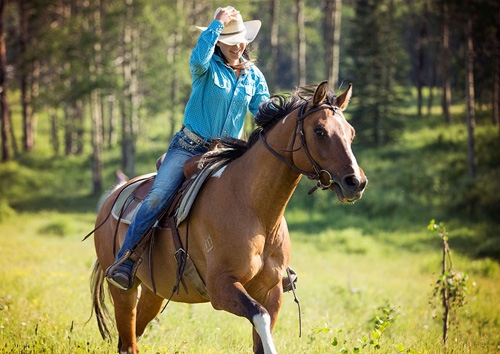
(246, 55)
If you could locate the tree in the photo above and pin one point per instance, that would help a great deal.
(331, 35)
(496, 74)
(445, 53)
(301, 43)
(96, 71)
(4, 103)
(421, 48)
(274, 41)
(470, 95)
(28, 124)
(380, 70)
(130, 101)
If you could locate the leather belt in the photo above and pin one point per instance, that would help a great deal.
(196, 138)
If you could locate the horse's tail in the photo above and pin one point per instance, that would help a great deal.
(98, 300)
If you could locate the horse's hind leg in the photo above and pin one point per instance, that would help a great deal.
(148, 308)
(125, 303)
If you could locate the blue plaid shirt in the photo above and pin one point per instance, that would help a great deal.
(219, 101)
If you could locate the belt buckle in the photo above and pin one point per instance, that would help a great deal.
(197, 139)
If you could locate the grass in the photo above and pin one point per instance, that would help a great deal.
(346, 278)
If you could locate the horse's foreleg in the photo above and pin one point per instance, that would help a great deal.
(273, 306)
(148, 307)
(230, 295)
(125, 304)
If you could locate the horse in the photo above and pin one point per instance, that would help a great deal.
(236, 230)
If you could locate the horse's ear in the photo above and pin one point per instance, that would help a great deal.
(344, 98)
(320, 93)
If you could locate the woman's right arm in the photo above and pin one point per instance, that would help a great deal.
(202, 53)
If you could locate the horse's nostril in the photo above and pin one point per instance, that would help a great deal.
(351, 181)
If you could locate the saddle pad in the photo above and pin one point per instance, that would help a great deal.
(127, 202)
(190, 195)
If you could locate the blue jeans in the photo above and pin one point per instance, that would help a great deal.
(169, 178)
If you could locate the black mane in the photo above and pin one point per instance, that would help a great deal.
(270, 112)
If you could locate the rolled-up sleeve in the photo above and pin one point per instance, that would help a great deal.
(202, 53)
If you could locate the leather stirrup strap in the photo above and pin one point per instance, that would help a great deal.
(180, 254)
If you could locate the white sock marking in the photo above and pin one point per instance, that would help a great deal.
(262, 325)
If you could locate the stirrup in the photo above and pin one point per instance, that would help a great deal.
(112, 268)
(289, 281)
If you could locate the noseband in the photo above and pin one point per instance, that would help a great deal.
(299, 125)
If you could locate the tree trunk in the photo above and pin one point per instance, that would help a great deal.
(430, 101)
(54, 130)
(331, 36)
(95, 70)
(176, 44)
(112, 122)
(4, 106)
(421, 48)
(496, 77)
(73, 110)
(28, 139)
(275, 11)
(445, 54)
(301, 43)
(469, 91)
(130, 85)
(35, 92)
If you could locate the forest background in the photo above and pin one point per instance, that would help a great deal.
(89, 87)
(98, 78)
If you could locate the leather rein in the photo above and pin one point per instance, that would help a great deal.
(299, 127)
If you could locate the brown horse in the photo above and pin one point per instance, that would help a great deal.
(238, 237)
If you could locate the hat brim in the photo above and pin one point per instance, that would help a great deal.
(247, 36)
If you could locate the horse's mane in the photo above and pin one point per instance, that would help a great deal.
(270, 112)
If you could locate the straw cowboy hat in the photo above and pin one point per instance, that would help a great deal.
(237, 31)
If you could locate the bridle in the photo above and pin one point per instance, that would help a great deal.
(299, 125)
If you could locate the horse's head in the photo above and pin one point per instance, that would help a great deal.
(322, 146)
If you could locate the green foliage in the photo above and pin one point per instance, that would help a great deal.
(451, 284)
(379, 66)
(452, 287)
(6, 211)
(60, 228)
(380, 324)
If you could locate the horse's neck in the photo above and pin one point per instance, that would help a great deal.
(271, 182)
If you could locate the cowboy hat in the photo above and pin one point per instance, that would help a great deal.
(237, 31)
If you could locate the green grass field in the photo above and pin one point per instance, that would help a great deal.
(356, 263)
(345, 280)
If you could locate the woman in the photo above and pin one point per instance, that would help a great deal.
(225, 85)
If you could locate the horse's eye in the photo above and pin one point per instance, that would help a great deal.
(320, 131)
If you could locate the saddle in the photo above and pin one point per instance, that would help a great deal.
(133, 195)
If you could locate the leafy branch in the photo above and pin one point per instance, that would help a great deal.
(452, 286)
(380, 324)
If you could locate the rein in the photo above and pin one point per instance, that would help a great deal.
(299, 125)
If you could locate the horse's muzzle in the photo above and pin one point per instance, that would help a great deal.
(350, 188)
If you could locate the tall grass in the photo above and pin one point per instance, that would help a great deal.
(346, 279)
